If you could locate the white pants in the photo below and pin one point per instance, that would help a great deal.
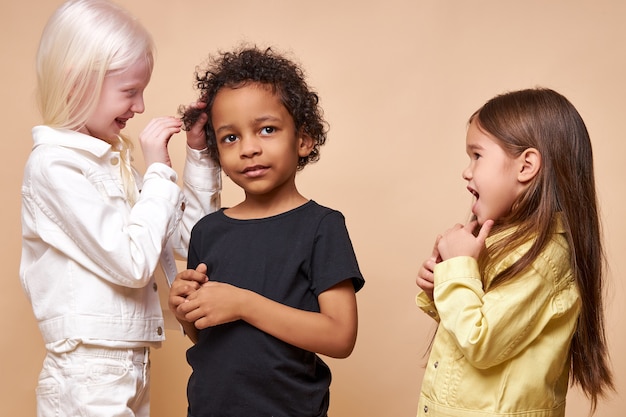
(95, 382)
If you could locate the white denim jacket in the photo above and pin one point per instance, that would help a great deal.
(88, 258)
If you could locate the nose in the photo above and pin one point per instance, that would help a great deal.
(467, 173)
(250, 146)
(138, 105)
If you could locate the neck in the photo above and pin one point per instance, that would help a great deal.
(261, 206)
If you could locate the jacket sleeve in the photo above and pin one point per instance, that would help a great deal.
(82, 212)
(427, 305)
(490, 328)
(201, 187)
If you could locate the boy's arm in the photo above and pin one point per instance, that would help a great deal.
(190, 330)
(331, 332)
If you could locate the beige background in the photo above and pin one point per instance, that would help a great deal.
(398, 80)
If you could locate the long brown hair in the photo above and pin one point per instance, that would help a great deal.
(545, 120)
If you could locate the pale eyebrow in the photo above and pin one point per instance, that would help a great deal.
(131, 85)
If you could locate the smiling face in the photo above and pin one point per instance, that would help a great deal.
(493, 176)
(257, 142)
(121, 97)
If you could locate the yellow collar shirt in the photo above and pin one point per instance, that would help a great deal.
(504, 352)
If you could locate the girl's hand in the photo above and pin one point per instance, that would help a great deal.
(213, 304)
(425, 277)
(196, 136)
(460, 240)
(186, 283)
(155, 137)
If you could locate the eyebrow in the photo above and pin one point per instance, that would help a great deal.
(267, 118)
(473, 147)
(221, 128)
(260, 119)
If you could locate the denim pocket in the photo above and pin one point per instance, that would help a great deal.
(48, 396)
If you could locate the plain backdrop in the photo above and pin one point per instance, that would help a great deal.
(397, 80)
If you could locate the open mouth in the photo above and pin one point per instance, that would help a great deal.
(121, 122)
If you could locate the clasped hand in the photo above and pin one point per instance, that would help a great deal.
(195, 299)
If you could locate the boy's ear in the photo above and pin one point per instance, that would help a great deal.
(530, 164)
(305, 144)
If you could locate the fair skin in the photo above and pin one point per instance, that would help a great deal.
(492, 176)
(121, 98)
(496, 180)
(259, 149)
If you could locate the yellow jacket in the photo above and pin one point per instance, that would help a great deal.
(504, 352)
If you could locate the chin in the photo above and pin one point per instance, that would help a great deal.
(474, 218)
(479, 220)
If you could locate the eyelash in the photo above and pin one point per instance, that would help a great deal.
(266, 130)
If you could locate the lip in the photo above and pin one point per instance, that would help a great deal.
(255, 171)
(473, 192)
(121, 122)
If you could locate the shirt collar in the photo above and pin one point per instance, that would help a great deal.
(45, 135)
(557, 222)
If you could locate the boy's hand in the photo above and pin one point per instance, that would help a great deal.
(155, 137)
(186, 283)
(213, 304)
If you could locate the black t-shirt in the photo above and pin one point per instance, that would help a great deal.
(238, 370)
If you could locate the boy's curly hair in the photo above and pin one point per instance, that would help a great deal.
(252, 65)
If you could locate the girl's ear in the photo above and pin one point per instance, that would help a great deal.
(305, 145)
(530, 164)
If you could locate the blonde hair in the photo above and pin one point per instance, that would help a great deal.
(82, 43)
